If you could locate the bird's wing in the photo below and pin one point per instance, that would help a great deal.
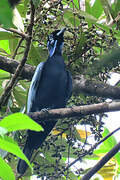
(69, 86)
(34, 85)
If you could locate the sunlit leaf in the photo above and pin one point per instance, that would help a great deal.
(94, 10)
(11, 146)
(19, 121)
(5, 13)
(6, 172)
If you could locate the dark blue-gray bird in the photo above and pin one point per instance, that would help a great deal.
(51, 87)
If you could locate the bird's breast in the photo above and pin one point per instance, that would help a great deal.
(52, 86)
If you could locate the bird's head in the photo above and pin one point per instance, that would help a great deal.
(55, 42)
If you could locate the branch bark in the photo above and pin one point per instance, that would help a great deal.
(75, 111)
(21, 34)
(10, 66)
(80, 84)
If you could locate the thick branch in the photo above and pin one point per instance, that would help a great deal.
(80, 84)
(10, 66)
(95, 88)
(75, 111)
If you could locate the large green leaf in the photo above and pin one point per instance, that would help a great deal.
(87, 16)
(94, 10)
(8, 144)
(19, 121)
(70, 19)
(5, 13)
(6, 172)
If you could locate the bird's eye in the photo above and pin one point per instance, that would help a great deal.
(51, 38)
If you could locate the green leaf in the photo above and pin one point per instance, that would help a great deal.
(4, 35)
(5, 14)
(4, 47)
(20, 96)
(107, 9)
(23, 8)
(4, 74)
(106, 145)
(76, 3)
(69, 18)
(117, 6)
(19, 121)
(36, 55)
(6, 172)
(8, 144)
(87, 16)
(36, 2)
(94, 10)
(13, 44)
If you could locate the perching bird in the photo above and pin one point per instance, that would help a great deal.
(51, 87)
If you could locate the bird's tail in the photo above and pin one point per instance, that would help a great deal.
(34, 141)
(22, 165)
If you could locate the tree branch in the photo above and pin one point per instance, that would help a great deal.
(102, 162)
(80, 84)
(10, 66)
(75, 111)
(95, 88)
(88, 151)
(21, 34)
(14, 79)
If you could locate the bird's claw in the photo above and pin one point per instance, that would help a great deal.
(45, 109)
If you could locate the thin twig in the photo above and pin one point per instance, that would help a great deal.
(14, 79)
(102, 162)
(21, 34)
(88, 152)
(15, 53)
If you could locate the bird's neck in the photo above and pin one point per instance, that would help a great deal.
(56, 50)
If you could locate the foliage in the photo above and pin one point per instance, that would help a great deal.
(16, 121)
(92, 32)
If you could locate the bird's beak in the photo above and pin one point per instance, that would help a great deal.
(61, 31)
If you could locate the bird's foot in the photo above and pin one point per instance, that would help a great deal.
(45, 109)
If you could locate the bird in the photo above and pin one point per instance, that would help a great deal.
(51, 88)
